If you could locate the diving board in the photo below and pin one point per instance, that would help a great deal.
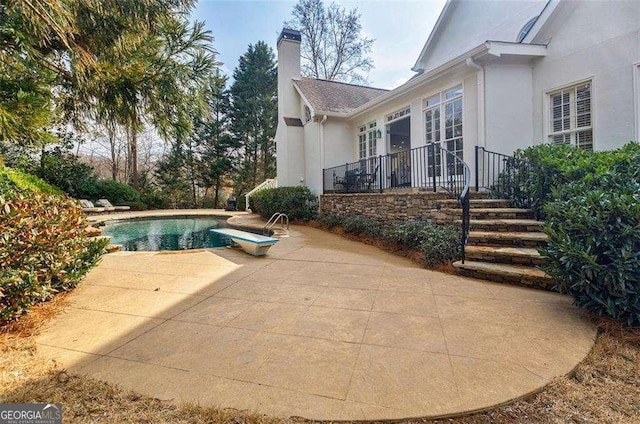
(253, 244)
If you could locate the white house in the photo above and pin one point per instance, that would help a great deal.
(501, 75)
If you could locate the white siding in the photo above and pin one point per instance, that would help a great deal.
(470, 23)
(509, 107)
(594, 40)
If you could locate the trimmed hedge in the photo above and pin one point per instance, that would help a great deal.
(591, 202)
(593, 224)
(297, 202)
(43, 248)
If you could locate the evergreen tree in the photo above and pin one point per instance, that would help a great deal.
(215, 140)
(254, 116)
(171, 179)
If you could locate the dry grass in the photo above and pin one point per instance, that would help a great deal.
(604, 389)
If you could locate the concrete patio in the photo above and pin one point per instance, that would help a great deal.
(322, 328)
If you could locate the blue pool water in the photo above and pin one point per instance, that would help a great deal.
(166, 234)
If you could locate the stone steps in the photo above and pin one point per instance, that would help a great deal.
(518, 239)
(503, 244)
(505, 273)
(480, 203)
(504, 225)
(509, 255)
(501, 213)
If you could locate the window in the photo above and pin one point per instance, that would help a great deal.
(367, 140)
(570, 116)
(373, 140)
(443, 124)
(525, 30)
(398, 114)
(307, 114)
(362, 142)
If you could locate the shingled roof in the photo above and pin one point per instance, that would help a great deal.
(331, 96)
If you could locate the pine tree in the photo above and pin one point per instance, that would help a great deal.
(254, 116)
(215, 141)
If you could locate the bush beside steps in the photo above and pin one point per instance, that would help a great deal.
(436, 246)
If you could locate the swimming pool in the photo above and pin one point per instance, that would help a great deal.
(178, 233)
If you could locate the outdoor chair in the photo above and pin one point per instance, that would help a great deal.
(88, 207)
(107, 205)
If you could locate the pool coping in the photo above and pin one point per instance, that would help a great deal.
(162, 213)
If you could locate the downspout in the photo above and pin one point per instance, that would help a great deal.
(322, 121)
(481, 102)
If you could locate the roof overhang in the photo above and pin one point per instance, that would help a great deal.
(487, 51)
(550, 10)
(504, 48)
(432, 36)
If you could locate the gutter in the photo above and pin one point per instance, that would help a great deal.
(411, 84)
(493, 49)
(324, 118)
(482, 141)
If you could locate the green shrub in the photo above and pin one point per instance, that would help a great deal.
(63, 170)
(43, 250)
(441, 244)
(152, 198)
(241, 203)
(408, 233)
(117, 193)
(594, 239)
(358, 224)
(329, 220)
(530, 179)
(21, 181)
(297, 202)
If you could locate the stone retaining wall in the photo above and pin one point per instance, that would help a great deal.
(388, 207)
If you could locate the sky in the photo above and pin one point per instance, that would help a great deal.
(399, 27)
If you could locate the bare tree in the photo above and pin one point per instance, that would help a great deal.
(333, 47)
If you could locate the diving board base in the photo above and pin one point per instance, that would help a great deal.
(253, 244)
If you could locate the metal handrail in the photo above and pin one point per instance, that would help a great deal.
(282, 217)
(511, 178)
(463, 196)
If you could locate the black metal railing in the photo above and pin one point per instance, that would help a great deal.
(429, 167)
(526, 183)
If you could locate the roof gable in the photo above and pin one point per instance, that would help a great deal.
(335, 97)
(464, 24)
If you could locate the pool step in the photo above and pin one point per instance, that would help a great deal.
(92, 231)
(113, 248)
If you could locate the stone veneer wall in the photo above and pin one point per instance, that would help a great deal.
(388, 207)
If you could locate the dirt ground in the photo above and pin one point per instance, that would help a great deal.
(605, 387)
